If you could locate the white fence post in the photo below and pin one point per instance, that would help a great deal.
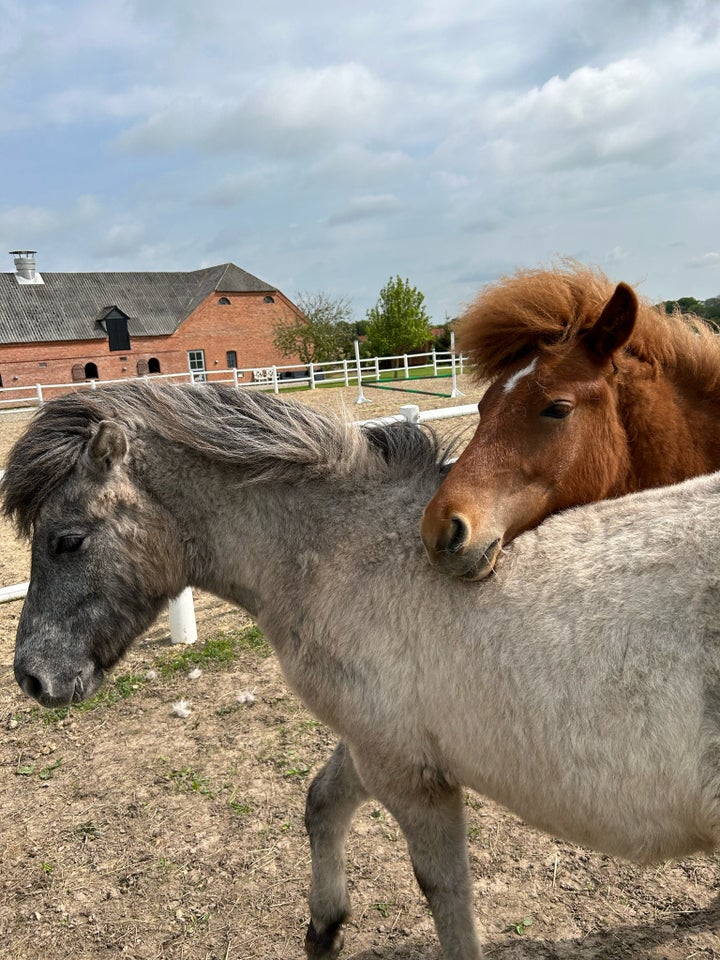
(377, 368)
(235, 378)
(411, 412)
(405, 364)
(361, 396)
(454, 392)
(276, 385)
(345, 373)
(181, 612)
(434, 361)
(311, 372)
(38, 391)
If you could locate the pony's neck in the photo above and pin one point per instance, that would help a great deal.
(256, 544)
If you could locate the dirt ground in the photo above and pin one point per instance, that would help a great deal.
(129, 831)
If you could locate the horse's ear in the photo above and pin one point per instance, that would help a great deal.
(615, 325)
(108, 445)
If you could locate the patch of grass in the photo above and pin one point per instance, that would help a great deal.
(384, 908)
(189, 780)
(223, 648)
(44, 773)
(87, 831)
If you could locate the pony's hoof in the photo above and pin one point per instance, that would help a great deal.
(326, 945)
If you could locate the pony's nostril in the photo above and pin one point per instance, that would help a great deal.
(459, 534)
(32, 686)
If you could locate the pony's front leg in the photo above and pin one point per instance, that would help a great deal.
(333, 797)
(433, 822)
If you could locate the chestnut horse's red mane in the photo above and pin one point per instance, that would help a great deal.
(549, 309)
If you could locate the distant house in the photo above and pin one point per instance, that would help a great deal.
(64, 327)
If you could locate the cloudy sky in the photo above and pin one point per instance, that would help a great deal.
(329, 146)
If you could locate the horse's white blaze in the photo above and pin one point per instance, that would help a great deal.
(513, 381)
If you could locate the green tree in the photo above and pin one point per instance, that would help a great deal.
(324, 330)
(398, 323)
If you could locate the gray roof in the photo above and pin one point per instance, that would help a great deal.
(67, 306)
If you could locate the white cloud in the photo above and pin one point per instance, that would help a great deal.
(711, 259)
(23, 223)
(366, 208)
(290, 110)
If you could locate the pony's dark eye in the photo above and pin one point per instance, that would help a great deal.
(69, 544)
(558, 410)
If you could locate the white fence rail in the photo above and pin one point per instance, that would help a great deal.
(181, 610)
(335, 372)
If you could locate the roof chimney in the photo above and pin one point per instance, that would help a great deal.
(25, 266)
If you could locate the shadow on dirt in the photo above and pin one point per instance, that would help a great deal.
(618, 943)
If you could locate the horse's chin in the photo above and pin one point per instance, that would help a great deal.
(472, 563)
(481, 563)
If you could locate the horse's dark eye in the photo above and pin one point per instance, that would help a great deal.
(69, 544)
(558, 410)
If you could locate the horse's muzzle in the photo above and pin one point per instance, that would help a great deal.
(57, 690)
(449, 549)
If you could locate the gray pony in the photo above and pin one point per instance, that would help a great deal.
(593, 653)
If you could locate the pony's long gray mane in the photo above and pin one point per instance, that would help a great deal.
(269, 438)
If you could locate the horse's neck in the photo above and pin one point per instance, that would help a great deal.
(251, 544)
(672, 431)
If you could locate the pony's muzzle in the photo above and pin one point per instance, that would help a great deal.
(36, 681)
(448, 543)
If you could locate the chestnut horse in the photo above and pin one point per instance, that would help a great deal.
(594, 393)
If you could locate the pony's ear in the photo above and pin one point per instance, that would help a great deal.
(108, 445)
(615, 325)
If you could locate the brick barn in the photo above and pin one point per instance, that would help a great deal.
(65, 327)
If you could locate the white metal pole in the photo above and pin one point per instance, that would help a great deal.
(181, 613)
(361, 398)
(454, 392)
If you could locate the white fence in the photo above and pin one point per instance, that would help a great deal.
(276, 377)
(181, 610)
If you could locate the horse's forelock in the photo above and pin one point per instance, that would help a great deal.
(530, 309)
(547, 309)
(44, 456)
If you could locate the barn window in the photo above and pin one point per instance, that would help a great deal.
(90, 371)
(268, 299)
(143, 368)
(224, 302)
(231, 359)
(153, 365)
(78, 372)
(196, 364)
(114, 323)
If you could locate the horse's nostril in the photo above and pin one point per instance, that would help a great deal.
(459, 534)
(32, 686)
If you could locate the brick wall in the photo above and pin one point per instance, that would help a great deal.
(245, 325)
